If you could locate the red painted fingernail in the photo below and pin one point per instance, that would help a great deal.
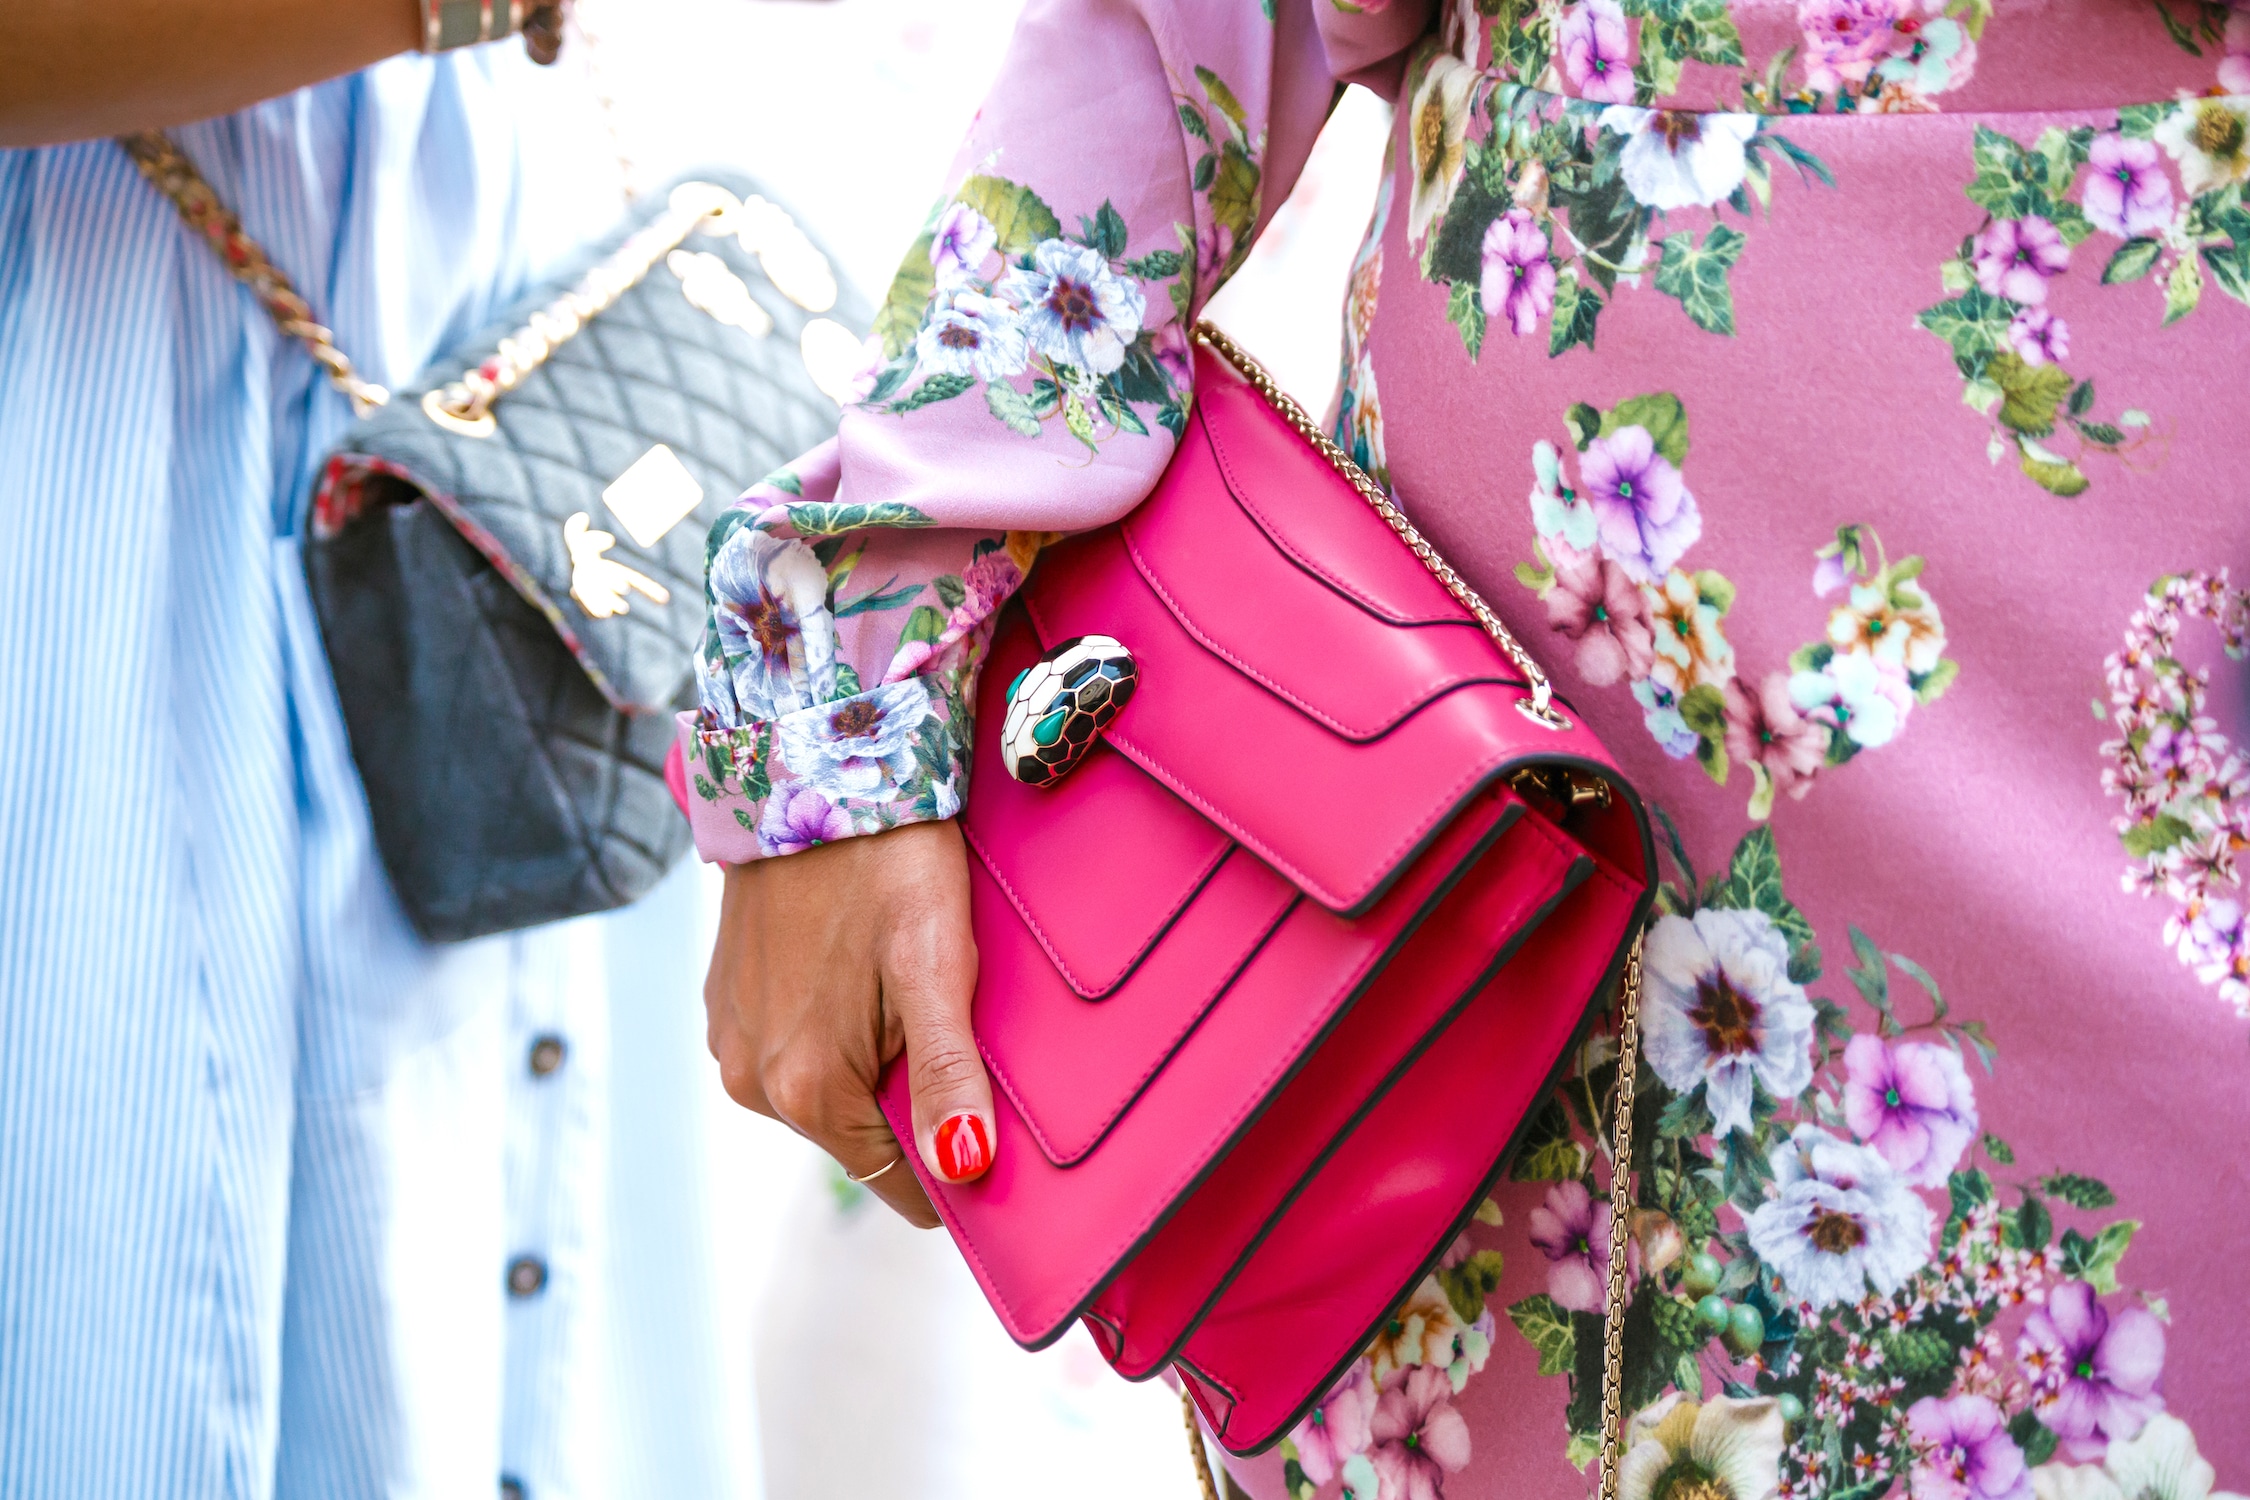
(963, 1150)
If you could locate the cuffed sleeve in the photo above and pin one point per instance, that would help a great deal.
(1028, 376)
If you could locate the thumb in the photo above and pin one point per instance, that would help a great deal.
(929, 977)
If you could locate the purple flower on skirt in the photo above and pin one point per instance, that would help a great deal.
(2015, 257)
(1518, 283)
(2094, 1376)
(1572, 1230)
(1337, 1428)
(2127, 192)
(1597, 51)
(1912, 1103)
(1963, 1452)
(796, 818)
(1646, 516)
(2039, 337)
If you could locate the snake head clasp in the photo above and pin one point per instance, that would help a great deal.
(1058, 707)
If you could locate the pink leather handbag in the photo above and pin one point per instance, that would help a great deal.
(1272, 979)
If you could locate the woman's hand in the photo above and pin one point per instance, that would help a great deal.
(828, 963)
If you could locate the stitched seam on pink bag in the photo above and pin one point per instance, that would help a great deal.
(1065, 1156)
(1062, 966)
(1252, 1101)
(1241, 495)
(1147, 570)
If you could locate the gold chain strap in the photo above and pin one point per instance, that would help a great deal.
(1620, 1209)
(465, 406)
(1540, 707)
(164, 165)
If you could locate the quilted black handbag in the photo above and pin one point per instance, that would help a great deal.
(507, 560)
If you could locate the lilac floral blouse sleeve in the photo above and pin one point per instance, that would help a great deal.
(1027, 376)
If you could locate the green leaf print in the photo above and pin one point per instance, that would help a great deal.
(1215, 89)
(834, 520)
(1548, 1328)
(1468, 1284)
(925, 624)
(2139, 121)
(1191, 120)
(1018, 215)
(1753, 883)
(2230, 264)
(900, 317)
(2035, 1226)
(1576, 308)
(2030, 394)
(2052, 473)
(1549, 1152)
(1974, 324)
(1697, 276)
(930, 392)
(2132, 261)
(1665, 420)
(2078, 1191)
(2183, 289)
(2095, 1261)
(1234, 194)
(1105, 231)
(1465, 311)
(1012, 407)
(2037, 1440)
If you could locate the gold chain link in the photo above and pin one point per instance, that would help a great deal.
(1620, 1208)
(173, 175)
(1540, 709)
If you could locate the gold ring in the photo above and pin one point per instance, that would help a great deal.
(879, 1171)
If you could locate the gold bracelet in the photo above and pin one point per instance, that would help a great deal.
(447, 24)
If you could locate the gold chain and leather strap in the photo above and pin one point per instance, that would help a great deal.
(1540, 710)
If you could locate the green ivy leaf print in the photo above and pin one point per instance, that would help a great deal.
(2095, 1261)
(2037, 1440)
(1974, 324)
(1697, 276)
(1753, 883)
(1548, 1328)
(1549, 1153)
(1576, 308)
(834, 520)
(1019, 216)
(1234, 193)
(1465, 311)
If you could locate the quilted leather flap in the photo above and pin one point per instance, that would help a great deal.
(731, 403)
(1300, 686)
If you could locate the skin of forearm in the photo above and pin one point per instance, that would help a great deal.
(76, 69)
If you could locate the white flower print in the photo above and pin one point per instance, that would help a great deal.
(1723, 1012)
(861, 748)
(1840, 1221)
(769, 600)
(2160, 1462)
(1076, 310)
(1680, 159)
(1721, 1449)
(969, 333)
(1868, 702)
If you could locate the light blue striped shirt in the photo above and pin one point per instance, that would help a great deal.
(264, 1158)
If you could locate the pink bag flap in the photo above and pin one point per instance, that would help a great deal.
(1291, 709)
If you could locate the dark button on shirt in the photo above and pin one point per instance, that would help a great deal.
(527, 1276)
(547, 1054)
